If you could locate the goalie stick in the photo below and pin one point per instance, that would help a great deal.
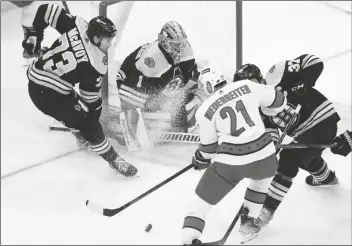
(177, 137)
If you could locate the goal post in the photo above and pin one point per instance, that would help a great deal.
(120, 19)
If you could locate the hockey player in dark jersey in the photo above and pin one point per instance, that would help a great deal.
(157, 77)
(316, 123)
(77, 56)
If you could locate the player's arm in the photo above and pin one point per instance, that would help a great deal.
(311, 68)
(129, 78)
(90, 91)
(272, 101)
(208, 142)
(55, 16)
(270, 127)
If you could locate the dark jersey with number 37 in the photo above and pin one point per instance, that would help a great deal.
(71, 59)
(298, 78)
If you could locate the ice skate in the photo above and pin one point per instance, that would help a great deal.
(123, 167)
(265, 216)
(248, 229)
(330, 180)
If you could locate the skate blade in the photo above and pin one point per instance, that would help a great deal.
(249, 237)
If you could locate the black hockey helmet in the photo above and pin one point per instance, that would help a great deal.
(249, 71)
(101, 26)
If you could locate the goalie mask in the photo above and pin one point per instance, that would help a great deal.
(210, 79)
(173, 39)
(249, 72)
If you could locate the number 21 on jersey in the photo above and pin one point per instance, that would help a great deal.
(230, 112)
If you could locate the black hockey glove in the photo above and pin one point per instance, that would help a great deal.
(343, 144)
(199, 162)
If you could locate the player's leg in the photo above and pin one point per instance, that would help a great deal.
(72, 113)
(290, 162)
(260, 174)
(214, 185)
(320, 174)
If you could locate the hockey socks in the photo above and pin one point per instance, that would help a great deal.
(277, 190)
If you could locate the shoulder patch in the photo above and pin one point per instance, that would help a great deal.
(149, 62)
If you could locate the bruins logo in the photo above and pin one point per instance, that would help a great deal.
(149, 62)
(282, 119)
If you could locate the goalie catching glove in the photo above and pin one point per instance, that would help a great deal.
(199, 162)
(343, 144)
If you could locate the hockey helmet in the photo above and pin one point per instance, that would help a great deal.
(100, 27)
(249, 71)
(210, 79)
(274, 75)
(173, 39)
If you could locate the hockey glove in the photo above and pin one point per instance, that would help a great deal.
(199, 162)
(343, 144)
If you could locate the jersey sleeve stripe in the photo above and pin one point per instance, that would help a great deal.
(209, 148)
(134, 92)
(313, 61)
(130, 95)
(48, 80)
(278, 101)
(52, 14)
(89, 97)
(56, 17)
(131, 101)
(305, 59)
(121, 74)
(324, 111)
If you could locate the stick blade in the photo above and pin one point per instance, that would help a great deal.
(95, 208)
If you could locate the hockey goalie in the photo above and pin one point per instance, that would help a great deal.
(159, 77)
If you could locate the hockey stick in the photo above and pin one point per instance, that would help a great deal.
(112, 212)
(304, 146)
(227, 233)
(66, 7)
(62, 129)
(40, 163)
(229, 230)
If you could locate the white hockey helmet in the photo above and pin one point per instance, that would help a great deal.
(209, 79)
(274, 75)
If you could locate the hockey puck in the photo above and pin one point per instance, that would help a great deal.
(148, 228)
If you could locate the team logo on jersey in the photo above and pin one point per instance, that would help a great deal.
(272, 69)
(105, 60)
(283, 118)
(149, 62)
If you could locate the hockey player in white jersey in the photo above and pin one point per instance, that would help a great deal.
(233, 146)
